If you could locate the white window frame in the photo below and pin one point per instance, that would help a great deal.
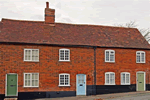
(31, 55)
(64, 55)
(109, 55)
(141, 56)
(125, 78)
(109, 78)
(31, 79)
(64, 79)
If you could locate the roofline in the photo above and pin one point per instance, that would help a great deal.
(68, 23)
(66, 45)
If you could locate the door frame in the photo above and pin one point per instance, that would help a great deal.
(77, 83)
(6, 85)
(137, 79)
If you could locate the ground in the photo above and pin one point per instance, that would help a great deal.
(116, 96)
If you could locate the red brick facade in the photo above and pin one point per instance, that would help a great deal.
(81, 61)
(48, 67)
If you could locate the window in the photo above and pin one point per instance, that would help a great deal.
(64, 55)
(140, 57)
(31, 79)
(109, 78)
(109, 56)
(64, 79)
(31, 54)
(125, 78)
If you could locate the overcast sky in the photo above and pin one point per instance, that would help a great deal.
(98, 12)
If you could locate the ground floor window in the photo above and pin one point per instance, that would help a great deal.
(64, 79)
(109, 78)
(31, 79)
(125, 78)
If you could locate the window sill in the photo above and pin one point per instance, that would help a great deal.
(140, 62)
(30, 61)
(31, 86)
(110, 84)
(110, 61)
(64, 60)
(125, 84)
(64, 85)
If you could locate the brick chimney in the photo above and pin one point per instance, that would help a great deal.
(49, 15)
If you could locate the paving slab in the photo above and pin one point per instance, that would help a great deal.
(114, 96)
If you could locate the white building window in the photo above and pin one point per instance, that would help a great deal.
(64, 55)
(125, 78)
(140, 57)
(31, 79)
(31, 54)
(64, 79)
(109, 78)
(109, 56)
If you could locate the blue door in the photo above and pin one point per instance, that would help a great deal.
(81, 84)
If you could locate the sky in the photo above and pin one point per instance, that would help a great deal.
(97, 12)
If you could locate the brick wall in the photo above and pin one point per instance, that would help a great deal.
(11, 61)
(81, 61)
(125, 61)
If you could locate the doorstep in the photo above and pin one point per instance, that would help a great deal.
(10, 98)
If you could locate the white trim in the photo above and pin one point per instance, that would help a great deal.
(64, 55)
(125, 78)
(6, 85)
(77, 83)
(64, 79)
(30, 79)
(31, 56)
(109, 78)
(137, 80)
(141, 56)
(109, 55)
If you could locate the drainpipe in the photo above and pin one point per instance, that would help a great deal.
(94, 69)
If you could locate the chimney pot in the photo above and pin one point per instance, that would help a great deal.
(47, 4)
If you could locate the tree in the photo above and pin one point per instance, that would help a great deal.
(143, 31)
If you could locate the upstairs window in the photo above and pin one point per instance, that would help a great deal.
(109, 78)
(125, 78)
(140, 57)
(64, 79)
(31, 54)
(64, 55)
(109, 56)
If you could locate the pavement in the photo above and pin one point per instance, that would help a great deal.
(144, 95)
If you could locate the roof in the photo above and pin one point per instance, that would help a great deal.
(70, 34)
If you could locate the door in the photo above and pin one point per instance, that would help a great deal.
(11, 85)
(81, 84)
(140, 82)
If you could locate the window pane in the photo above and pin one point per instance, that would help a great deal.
(107, 55)
(107, 78)
(33, 82)
(33, 76)
(111, 57)
(29, 55)
(25, 76)
(36, 82)
(28, 82)
(25, 82)
(142, 57)
(127, 78)
(61, 54)
(123, 78)
(36, 76)
(138, 58)
(112, 78)
(28, 76)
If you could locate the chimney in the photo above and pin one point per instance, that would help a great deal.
(49, 15)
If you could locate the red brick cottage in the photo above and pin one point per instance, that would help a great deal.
(44, 59)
